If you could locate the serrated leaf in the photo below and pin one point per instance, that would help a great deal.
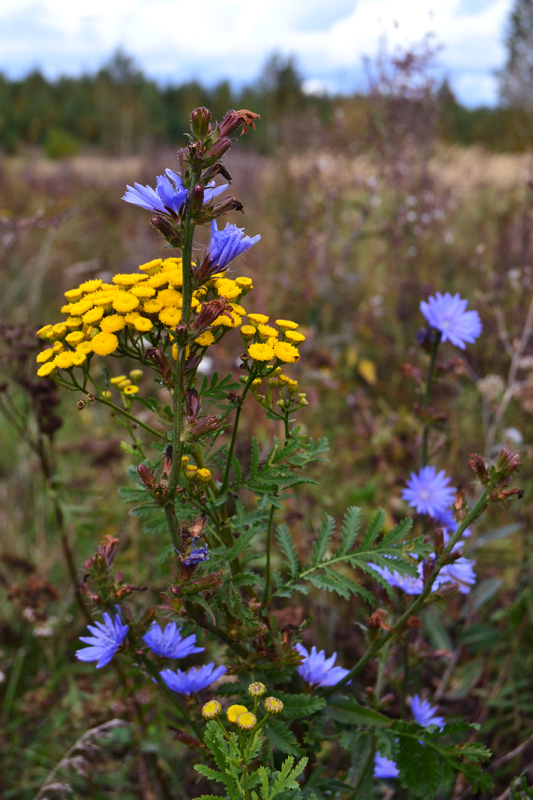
(281, 737)
(323, 540)
(297, 706)
(374, 529)
(207, 772)
(399, 532)
(350, 528)
(242, 542)
(286, 543)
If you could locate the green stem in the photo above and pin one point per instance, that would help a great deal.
(126, 414)
(225, 482)
(381, 671)
(266, 594)
(427, 394)
(419, 602)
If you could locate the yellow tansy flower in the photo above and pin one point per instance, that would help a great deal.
(267, 332)
(124, 302)
(203, 475)
(239, 309)
(79, 308)
(233, 712)
(85, 347)
(246, 721)
(104, 343)
(104, 298)
(247, 331)
(206, 338)
(75, 337)
(170, 316)
(273, 705)
(64, 360)
(286, 352)
(45, 355)
(245, 284)
(261, 352)
(258, 318)
(139, 322)
(227, 288)
(73, 294)
(78, 358)
(131, 389)
(170, 298)
(43, 332)
(59, 330)
(128, 279)
(157, 280)
(94, 315)
(58, 347)
(152, 306)
(286, 324)
(46, 369)
(228, 322)
(113, 323)
(118, 380)
(73, 322)
(151, 267)
(90, 286)
(294, 336)
(143, 292)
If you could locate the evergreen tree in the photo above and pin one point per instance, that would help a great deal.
(516, 78)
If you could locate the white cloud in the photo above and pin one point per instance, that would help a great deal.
(180, 39)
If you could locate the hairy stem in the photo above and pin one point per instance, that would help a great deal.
(427, 394)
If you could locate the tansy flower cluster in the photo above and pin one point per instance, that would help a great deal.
(106, 318)
(266, 343)
(239, 715)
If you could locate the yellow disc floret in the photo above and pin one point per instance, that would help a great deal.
(286, 352)
(261, 352)
(104, 343)
(124, 302)
(273, 705)
(286, 324)
(257, 689)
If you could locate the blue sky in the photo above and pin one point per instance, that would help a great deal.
(177, 40)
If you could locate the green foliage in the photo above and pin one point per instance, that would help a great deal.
(324, 569)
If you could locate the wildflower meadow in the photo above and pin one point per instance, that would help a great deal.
(267, 492)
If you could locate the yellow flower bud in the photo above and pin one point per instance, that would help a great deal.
(257, 689)
(273, 705)
(211, 710)
(246, 721)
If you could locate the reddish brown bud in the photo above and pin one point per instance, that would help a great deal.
(220, 148)
(376, 620)
(157, 355)
(438, 535)
(197, 198)
(145, 475)
(167, 229)
(192, 404)
(210, 311)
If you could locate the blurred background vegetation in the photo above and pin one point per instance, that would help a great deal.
(366, 205)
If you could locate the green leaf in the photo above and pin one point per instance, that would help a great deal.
(350, 528)
(374, 529)
(324, 535)
(288, 549)
(297, 706)
(281, 737)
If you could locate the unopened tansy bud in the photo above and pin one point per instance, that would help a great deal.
(203, 475)
(136, 375)
(211, 710)
(257, 689)
(273, 705)
(246, 721)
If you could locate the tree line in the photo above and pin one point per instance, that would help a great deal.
(120, 111)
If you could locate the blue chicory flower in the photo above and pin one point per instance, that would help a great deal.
(407, 583)
(429, 492)
(169, 196)
(196, 679)
(424, 714)
(197, 554)
(448, 314)
(460, 572)
(229, 243)
(105, 641)
(317, 670)
(385, 768)
(169, 643)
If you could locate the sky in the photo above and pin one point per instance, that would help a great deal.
(174, 41)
